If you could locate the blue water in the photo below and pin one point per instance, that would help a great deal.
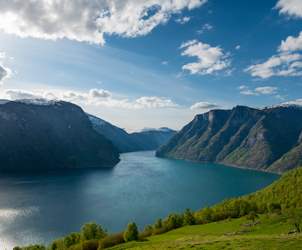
(141, 188)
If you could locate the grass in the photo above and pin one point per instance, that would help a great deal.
(270, 233)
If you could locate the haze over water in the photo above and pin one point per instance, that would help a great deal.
(141, 188)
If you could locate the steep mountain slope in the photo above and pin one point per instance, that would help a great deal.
(119, 137)
(39, 135)
(152, 139)
(243, 136)
(145, 140)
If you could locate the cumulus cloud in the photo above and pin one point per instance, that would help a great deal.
(154, 102)
(204, 28)
(265, 90)
(209, 59)
(95, 97)
(87, 20)
(278, 65)
(291, 44)
(203, 106)
(287, 61)
(183, 20)
(290, 7)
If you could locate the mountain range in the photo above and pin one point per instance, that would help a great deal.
(268, 139)
(147, 139)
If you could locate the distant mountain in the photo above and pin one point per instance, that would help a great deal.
(269, 139)
(41, 135)
(147, 139)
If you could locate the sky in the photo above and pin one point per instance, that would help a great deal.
(152, 63)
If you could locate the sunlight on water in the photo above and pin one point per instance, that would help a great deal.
(141, 188)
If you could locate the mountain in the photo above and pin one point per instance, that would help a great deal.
(147, 139)
(40, 135)
(267, 139)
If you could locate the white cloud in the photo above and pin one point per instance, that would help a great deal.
(16, 94)
(94, 97)
(238, 47)
(290, 7)
(99, 93)
(154, 102)
(286, 62)
(294, 102)
(203, 106)
(204, 28)
(5, 72)
(209, 59)
(282, 64)
(87, 20)
(291, 44)
(183, 20)
(265, 90)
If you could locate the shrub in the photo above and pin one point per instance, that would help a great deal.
(160, 230)
(274, 207)
(90, 245)
(111, 240)
(148, 231)
(31, 247)
(131, 232)
(92, 231)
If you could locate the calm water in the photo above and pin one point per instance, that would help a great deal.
(39, 208)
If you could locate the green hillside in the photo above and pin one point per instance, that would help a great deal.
(268, 219)
(270, 233)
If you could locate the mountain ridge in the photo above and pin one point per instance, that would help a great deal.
(147, 139)
(243, 137)
(42, 136)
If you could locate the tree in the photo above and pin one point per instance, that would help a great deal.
(295, 217)
(173, 221)
(92, 231)
(72, 239)
(252, 216)
(158, 224)
(54, 246)
(188, 218)
(131, 232)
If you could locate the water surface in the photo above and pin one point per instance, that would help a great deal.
(141, 188)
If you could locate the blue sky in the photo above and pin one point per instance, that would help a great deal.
(159, 68)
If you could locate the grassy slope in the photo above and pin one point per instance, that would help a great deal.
(271, 233)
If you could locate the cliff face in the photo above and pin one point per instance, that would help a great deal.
(50, 135)
(139, 141)
(268, 139)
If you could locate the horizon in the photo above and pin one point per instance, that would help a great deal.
(157, 66)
